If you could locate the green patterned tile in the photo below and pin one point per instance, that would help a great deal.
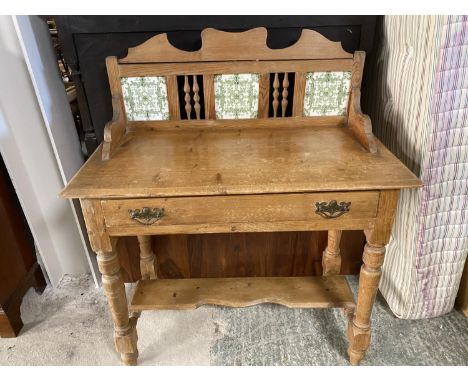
(145, 98)
(236, 95)
(326, 93)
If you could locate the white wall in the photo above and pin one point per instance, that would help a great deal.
(41, 60)
(34, 125)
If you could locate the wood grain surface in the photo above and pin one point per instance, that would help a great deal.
(293, 292)
(244, 161)
(240, 213)
(261, 254)
(249, 45)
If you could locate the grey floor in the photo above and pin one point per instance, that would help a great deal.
(71, 325)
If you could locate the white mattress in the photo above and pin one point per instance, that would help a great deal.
(418, 103)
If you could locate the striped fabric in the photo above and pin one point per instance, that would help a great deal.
(419, 109)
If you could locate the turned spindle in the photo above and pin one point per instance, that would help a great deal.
(188, 106)
(196, 97)
(331, 259)
(275, 102)
(147, 258)
(284, 95)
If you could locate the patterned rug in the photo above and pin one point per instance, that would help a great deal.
(275, 335)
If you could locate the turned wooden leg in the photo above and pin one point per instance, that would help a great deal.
(331, 259)
(147, 258)
(359, 330)
(125, 336)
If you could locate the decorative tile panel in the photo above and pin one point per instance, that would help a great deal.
(145, 98)
(236, 95)
(326, 93)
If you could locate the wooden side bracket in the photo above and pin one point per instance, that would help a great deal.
(359, 123)
(116, 128)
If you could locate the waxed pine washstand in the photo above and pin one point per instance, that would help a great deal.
(237, 137)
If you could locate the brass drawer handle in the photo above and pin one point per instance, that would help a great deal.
(147, 215)
(331, 210)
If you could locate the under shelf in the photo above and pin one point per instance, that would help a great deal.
(293, 292)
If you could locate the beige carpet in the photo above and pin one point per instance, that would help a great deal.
(71, 325)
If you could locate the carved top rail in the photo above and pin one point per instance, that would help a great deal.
(236, 76)
(228, 46)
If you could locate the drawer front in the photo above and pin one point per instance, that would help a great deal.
(241, 213)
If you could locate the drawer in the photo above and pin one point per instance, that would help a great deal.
(241, 213)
